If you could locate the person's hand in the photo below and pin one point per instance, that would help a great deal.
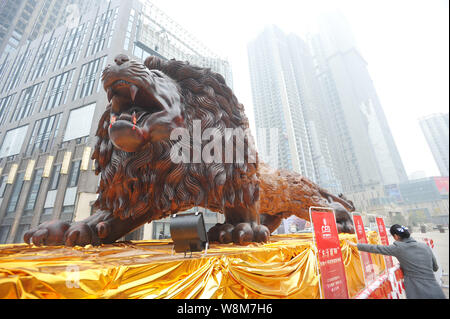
(351, 243)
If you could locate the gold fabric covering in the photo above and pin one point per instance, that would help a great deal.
(285, 267)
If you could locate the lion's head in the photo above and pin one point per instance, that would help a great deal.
(147, 101)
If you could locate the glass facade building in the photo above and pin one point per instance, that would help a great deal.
(287, 103)
(435, 129)
(361, 143)
(318, 96)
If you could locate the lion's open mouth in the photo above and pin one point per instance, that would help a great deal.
(145, 104)
(130, 102)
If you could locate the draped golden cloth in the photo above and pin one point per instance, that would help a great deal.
(285, 267)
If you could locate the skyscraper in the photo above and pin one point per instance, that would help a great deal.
(285, 98)
(24, 20)
(51, 99)
(361, 142)
(435, 128)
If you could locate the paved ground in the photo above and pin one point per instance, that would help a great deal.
(441, 250)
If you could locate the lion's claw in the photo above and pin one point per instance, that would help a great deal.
(80, 234)
(241, 234)
(56, 232)
(48, 233)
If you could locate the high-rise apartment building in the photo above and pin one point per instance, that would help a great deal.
(51, 99)
(361, 143)
(24, 20)
(435, 128)
(286, 98)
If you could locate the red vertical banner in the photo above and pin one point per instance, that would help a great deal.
(332, 270)
(384, 241)
(366, 259)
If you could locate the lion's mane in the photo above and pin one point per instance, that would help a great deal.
(148, 182)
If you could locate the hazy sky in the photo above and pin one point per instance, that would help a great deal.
(405, 43)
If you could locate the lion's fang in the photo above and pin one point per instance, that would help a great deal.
(110, 94)
(133, 91)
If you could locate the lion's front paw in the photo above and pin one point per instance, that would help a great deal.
(81, 234)
(241, 234)
(56, 232)
(50, 233)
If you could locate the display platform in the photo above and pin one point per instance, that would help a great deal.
(285, 267)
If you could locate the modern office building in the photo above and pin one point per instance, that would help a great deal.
(360, 140)
(51, 99)
(22, 21)
(435, 128)
(425, 200)
(286, 99)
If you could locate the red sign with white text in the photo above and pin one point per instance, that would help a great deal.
(384, 241)
(332, 270)
(442, 185)
(366, 259)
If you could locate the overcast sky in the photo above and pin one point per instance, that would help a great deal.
(405, 43)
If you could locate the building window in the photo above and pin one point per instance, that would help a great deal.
(3, 68)
(27, 101)
(54, 182)
(4, 232)
(88, 74)
(67, 213)
(8, 50)
(3, 185)
(68, 209)
(48, 211)
(79, 122)
(5, 106)
(43, 134)
(72, 46)
(161, 230)
(102, 32)
(13, 141)
(74, 174)
(129, 29)
(142, 53)
(43, 59)
(18, 238)
(69, 203)
(17, 70)
(11, 208)
(57, 90)
(34, 190)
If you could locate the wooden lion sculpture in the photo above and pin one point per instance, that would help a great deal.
(140, 181)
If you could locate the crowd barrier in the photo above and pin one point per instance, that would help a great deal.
(389, 285)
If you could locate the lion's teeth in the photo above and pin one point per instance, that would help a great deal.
(110, 94)
(115, 105)
(133, 91)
